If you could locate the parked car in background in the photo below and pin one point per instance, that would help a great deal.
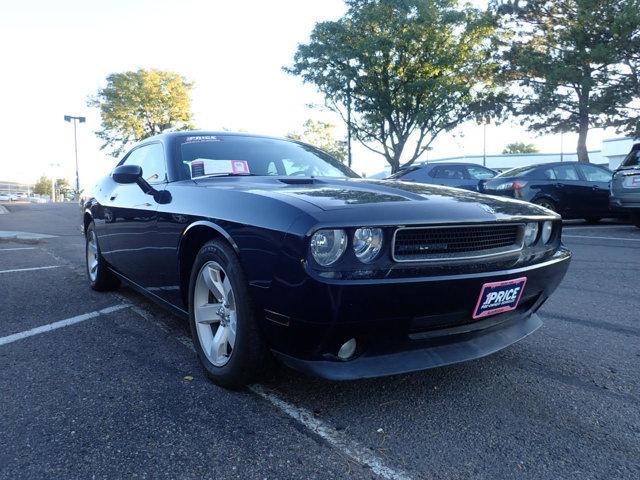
(271, 247)
(458, 175)
(625, 186)
(572, 189)
(5, 197)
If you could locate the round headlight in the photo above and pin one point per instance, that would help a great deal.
(327, 246)
(367, 243)
(530, 233)
(547, 228)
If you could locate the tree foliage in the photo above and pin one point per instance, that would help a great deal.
(411, 69)
(43, 186)
(138, 104)
(322, 135)
(563, 60)
(520, 147)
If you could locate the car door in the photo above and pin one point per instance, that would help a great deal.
(132, 217)
(598, 181)
(568, 188)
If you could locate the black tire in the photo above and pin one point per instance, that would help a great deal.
(546, 203)
(250, 359)
(635, 219)
(103, 279)
(593, 220)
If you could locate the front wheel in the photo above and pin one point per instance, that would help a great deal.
(223, 325)
(548, 204)
(635, 219)
(100, 277)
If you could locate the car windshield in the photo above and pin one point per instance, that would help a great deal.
(515, 172)
(225, 155)
(633, 159)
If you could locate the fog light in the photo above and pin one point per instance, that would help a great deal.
(347, 349)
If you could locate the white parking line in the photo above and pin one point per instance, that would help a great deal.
(29, 269)
(338, 440)
(16, 248)
(603, 238)
(62, 323)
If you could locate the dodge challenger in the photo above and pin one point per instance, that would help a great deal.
(275, 251)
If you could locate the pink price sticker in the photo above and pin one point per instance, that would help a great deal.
(239, 166)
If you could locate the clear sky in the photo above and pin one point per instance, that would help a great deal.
(55, 54)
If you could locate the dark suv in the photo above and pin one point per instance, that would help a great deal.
(458, 175)
(572, 189)
(625, 187)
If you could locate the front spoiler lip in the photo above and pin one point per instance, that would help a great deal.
(477, 346)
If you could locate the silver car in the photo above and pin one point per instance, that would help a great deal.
(625, 186)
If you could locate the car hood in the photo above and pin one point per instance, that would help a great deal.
(357, 195)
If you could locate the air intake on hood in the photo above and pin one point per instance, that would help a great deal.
(298, 181)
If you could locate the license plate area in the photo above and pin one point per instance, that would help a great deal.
(499, 297)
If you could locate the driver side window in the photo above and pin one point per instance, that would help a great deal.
(151, 159)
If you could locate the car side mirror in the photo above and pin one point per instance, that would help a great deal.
(127, 174)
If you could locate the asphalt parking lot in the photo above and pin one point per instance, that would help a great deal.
(116, 391)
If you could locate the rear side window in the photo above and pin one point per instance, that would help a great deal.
(595, 174)
(452, 172)
(566, 172)
(633, 159)
(544, 174)
(480, 173)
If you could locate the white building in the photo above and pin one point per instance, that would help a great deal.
(611, 154)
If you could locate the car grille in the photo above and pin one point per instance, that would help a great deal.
(414, 244)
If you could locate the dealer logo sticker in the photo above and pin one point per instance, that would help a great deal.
(499, 297)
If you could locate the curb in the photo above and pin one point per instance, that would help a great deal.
(23, 236)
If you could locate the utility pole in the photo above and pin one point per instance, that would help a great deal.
(75, 120)
(561, 146)
(484, 144)
(349, 123)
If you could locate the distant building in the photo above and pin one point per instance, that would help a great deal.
(610, 155)
(13, 187)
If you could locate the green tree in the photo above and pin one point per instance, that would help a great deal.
(520, 147)
(563, 59)
(410, 70)
(43, 186)
(321, 135)
(63, 187)
(138, 104)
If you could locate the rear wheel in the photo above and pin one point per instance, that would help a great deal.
(223, 325)
(635, 219)
(100, 277)
(546, 203)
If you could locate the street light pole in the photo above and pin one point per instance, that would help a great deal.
(69, 118)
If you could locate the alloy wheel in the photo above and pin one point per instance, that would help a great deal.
(215, 313)
(92, 256)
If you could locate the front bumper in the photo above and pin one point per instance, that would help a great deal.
(400, 325)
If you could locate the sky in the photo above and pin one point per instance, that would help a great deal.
(55, 55)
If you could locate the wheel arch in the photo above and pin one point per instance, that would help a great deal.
(87, 218)
(191, 241)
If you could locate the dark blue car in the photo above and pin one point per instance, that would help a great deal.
(458, 175)
(572, 189)
(272, 249)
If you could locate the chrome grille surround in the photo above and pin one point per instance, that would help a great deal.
(456, 243)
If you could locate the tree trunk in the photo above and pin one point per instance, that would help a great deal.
(583, 130)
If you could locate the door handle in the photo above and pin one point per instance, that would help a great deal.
(595, 187)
